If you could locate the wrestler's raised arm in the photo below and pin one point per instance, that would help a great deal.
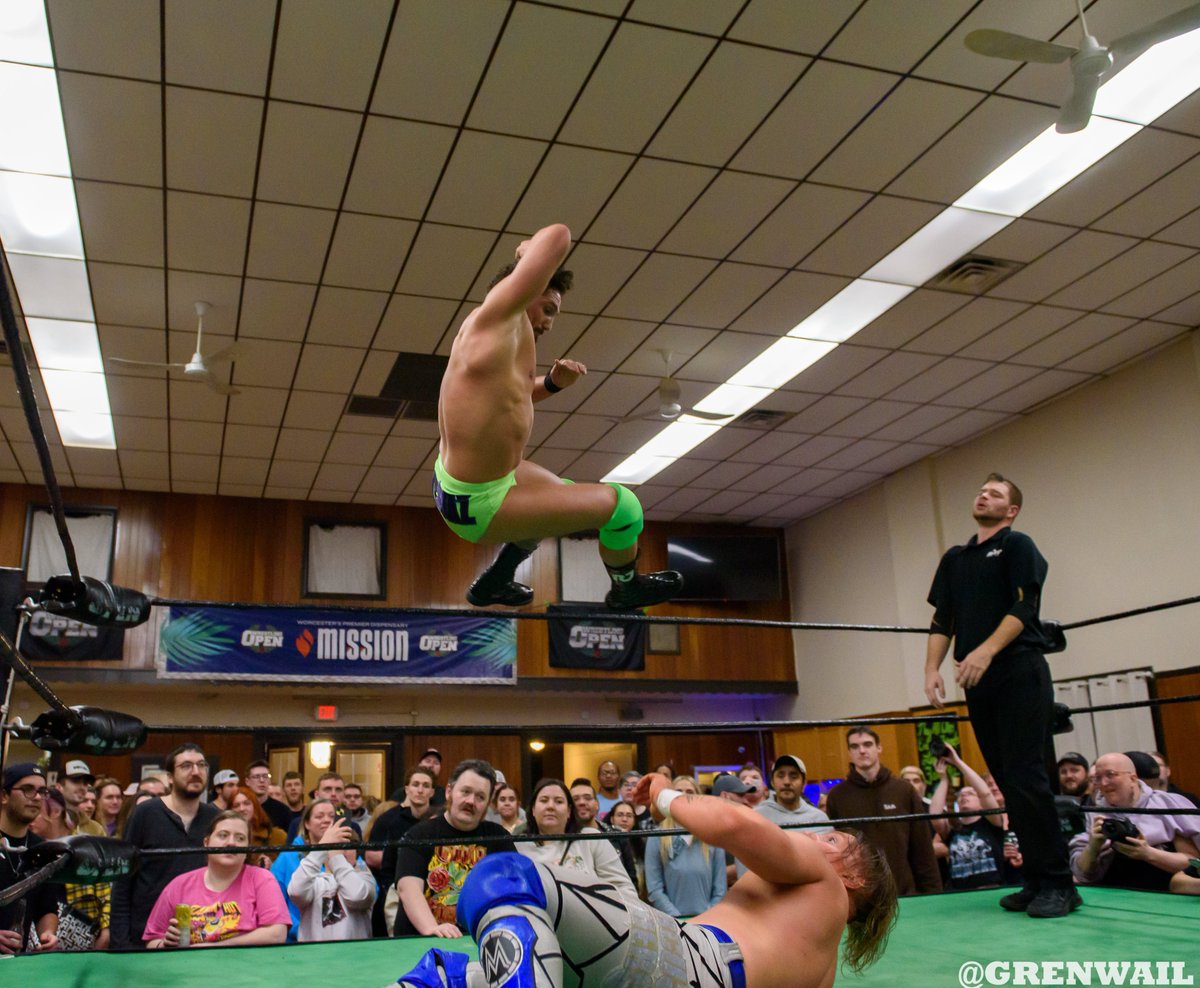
(537, 260)
(759, 844)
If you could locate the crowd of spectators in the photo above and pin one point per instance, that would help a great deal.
(193, 899)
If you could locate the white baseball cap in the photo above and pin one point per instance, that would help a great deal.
(76, 769)
(223, 776)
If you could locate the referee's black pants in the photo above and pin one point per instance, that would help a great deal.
(1011, 711)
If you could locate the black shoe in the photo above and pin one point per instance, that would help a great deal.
(1018, 902)
(483, 593)
(644, 590)
(1054, 902)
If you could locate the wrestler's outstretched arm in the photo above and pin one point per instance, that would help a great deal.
(759, 844)
(537, 260)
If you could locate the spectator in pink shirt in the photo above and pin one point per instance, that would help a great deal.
(231, 905)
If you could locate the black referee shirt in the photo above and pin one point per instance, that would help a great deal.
(977, 584)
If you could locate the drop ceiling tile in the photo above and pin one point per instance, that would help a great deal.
(804, 481)
(727, 212)
(367, 251)
(212, 141)
(554, 460)
(913, 117)
(561, 45)
(131, 343)
(648, 203)
(346, 317)
(763, 478)
(227, 489)
(97, 462)
(639, 78)
(683, 499)
(113, 127)
(544, 423)
(788, 303)
(1164, 202)
(148, 484)
(589, 467)
(725, 475)
(734, 90)
(27, 460)
(121, 223)
(385, 480)
(608, 342)
(861, 452)
(580, 432)
(770, 447)
(144, 463)
(1084, 333)
(725, 294)
(444, 260)
(186, 468)
(725, 443)
(266, 363)
(185, 288)
(414, 324)
(397, 167)
(909, 317)
(1185, 231)
(138, 396)
(940, 378)
(127, 295)
(249, 473)
(823, 106)
(676, 343)
(291, 474)
(193, 401)
(994, 381)
(724, 502)
(1024, 330)
(876, 416)
(337, 478)
(836, 368)
(1025, 240)
(349, 44)
(658, 287)
(328, 368)
(571, 185)
(900, 457)
(800, 25)
(407, 452)
(884, 223)
(353, 448)
(908, 37)
(787, 513)
(109, 38)
(196, 437)
(313, 410)
(725, 353)
(1124, 273)
(822, 414)
(416, 78)
(207, 233)
(306, 154)
(850, 482)
(1158, 293)
(258, 406)
(599, 274)
(917, 422)
(302, 445)
(963, 326)
(617, 394)
(1124, 172)
(806, 218)
(289, 242)
(229, 49)
(1033, 392)
(706, 18)
(887, 374)
(1185, 313)
(1108, 356)
(283, 493)
(139, 433)
(485, 179)
(193, 487)
(256, 441)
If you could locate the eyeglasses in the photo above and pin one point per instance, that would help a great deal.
(192, 766)
(259, 776)
(31, 791)
(1110, 775)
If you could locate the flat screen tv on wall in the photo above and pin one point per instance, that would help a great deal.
(727, 568)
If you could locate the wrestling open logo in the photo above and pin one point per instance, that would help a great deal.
(262, 640)
(501, 954)
(59, 631)
(439, 643)
(597, 638)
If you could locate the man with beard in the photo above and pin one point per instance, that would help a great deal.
(430, 875)
(1075, 777)
(177, 819)
(986, 597)
(391, 825)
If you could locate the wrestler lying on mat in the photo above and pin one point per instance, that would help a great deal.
(780, 925)
(484, 488)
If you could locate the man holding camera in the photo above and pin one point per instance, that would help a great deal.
(1128, 849)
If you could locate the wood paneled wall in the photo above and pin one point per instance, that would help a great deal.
(502, 750)
(224, 548)
(1181, 726)
(234, 751)
(683, 752)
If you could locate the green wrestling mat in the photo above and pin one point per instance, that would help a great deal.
(935, 937)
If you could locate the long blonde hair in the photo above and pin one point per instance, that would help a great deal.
(669, 824)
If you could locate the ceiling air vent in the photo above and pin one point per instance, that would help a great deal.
(974, 274)
(761, 418)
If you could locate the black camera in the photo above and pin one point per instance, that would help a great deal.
(938, 748)
(1117, 828)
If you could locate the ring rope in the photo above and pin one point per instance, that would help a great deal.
(11, 657)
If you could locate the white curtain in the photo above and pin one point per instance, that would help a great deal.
(583, 575)
(345, 559)
(1109, 730)
(92, 536)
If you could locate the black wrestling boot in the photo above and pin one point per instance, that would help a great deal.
(1018, 902)
(632, 590)
(496, 585)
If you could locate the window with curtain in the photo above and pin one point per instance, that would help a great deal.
(92, 531)
(345, 560)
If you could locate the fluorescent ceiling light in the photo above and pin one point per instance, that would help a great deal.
(680, 437)
(73, 391)
(60, 344)
(24, 34)
(937, 244)
(1045, 165)
(637, 469)
(1153, 82)
(54, 287)
(38, 215)
(85, 429)
(32, 123)
(730, 399)
(859, 303)
(781, 361)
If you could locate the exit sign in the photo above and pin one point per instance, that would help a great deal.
(326, 711)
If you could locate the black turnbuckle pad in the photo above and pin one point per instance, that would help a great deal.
(88, 731)
(93, 601)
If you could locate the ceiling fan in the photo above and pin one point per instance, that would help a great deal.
(197, 369)
(668, 395)
(1089, 62)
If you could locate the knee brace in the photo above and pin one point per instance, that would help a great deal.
(625, 525)
(438, 969)
(499, 880)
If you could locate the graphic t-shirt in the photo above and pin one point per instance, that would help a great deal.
(252, 900)
(443, 867)
(976, 855)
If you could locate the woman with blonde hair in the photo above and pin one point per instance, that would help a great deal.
(684, 876)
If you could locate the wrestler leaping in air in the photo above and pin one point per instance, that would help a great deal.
(484, 488)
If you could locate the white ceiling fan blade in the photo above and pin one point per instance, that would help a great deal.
(710, 416)
(142, 363)
(221, 388)
(1077, 110)
(1017, 47)
(231, 352)
(1170, 26)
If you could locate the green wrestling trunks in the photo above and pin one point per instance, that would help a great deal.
(469, 508)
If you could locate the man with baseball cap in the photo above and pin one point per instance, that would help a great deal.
(726, 785)
(1075, 776)
(74, 783)
(225, 784)
(431, 759)
(788, 778)
(24, 790)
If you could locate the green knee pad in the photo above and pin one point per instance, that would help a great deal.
(623, 528)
